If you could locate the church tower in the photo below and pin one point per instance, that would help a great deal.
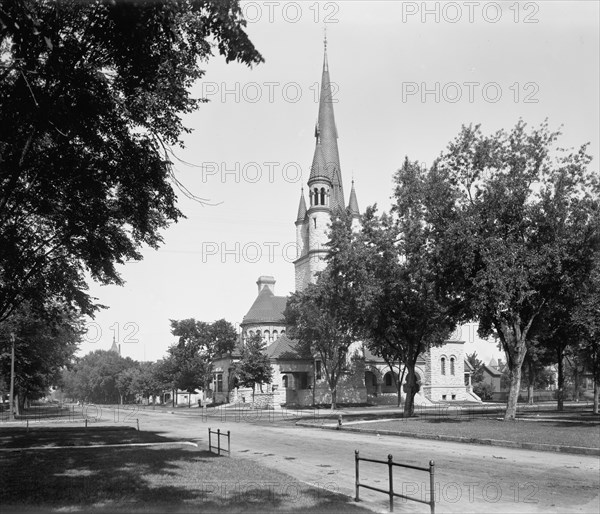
(325, 191)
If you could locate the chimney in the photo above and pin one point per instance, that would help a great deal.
(266, 281)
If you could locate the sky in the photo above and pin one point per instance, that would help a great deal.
(406, 76)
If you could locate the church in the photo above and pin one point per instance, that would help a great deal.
(443, 373)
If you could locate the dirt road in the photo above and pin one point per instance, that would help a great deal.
(469, 478)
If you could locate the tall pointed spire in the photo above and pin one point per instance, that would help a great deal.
(353, 203)
(326, 136)
(114, 347)
(301, 207)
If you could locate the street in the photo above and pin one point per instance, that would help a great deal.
(468, 478)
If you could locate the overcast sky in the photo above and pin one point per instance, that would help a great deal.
(406, 76)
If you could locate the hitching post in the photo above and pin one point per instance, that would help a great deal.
(209, 445)
(356, 481)
(228, 443)
(218, 441)
(390, 467)
(431, 485)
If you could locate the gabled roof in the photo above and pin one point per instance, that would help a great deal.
(492, 371)
(267, 308)
(285, 349)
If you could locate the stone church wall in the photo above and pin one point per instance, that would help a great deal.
(442, 384)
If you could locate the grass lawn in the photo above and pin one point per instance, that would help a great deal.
(148, 479)
(555, 432)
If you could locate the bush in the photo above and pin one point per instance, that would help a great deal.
(484, 390)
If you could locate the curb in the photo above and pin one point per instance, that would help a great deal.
(577, 450)
(85, 446)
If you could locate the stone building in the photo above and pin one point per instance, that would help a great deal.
(442, 373)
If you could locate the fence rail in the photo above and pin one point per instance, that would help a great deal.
(218, 446)
(390, 492)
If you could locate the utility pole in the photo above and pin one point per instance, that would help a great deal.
(11, 411)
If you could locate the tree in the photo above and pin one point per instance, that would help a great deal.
(321, 316)
(586, 321)
(198, 346)
(518, 230)
(97, 377)
(254, 366)
(43, 348)
(91, 100)
(404, 307)
(477, 365)
(146, 383)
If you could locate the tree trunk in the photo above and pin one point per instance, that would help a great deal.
(576, 380)
(409, 402)
(333, 398)
(399, 384)
(560, 380)
(530, 382)
(514, 376)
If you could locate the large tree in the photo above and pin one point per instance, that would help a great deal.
(520, 228)
(97, 377)
(198, 345)
(43, 348)
(406, 308)
(91, 100)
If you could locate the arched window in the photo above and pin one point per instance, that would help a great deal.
(443, 365)
(316, 196)
(452, 365)
(251, 333)
(388, 379)
(267, 336)
(322, 196)
(283, 332)
(258, 333)
(310, 196)
(275, 335)
(285, 381)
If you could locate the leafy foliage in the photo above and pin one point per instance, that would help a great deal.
(99, 377)
(322, 317)
(42, 349)
(406, 307)
(91, 99)
(254, 366)
(522, 227)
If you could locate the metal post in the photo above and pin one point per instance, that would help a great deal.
(356, 481)
(390, 467)
(431, 485)
(138, 424)
(85, 422)
(11, 401)
(209, 445)
(218, 441)
(228, 443)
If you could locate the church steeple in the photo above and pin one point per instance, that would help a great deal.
(301, 208)
(353, 203)
(326, 161)
(114, 347)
